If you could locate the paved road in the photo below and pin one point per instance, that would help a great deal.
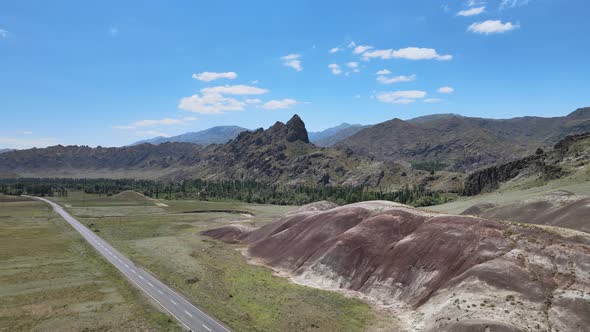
(186, 313)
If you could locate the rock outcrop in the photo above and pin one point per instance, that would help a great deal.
(436, 272)
(568, 154)
(296, 130)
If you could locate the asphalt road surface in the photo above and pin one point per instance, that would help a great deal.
(187, 314)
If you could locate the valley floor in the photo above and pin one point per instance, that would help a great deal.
(163, 236)
(52, 280)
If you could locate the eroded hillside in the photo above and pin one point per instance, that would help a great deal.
(434, 271)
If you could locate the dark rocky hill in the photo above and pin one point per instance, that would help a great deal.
(281, 154)
(567, 155)
(214, 135)
(464, 143)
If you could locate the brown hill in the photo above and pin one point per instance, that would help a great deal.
(464, 143)
(435, 272)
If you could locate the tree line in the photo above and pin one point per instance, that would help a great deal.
(245, 191)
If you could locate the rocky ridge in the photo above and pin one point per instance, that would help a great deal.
(566, 156)
(464, 143)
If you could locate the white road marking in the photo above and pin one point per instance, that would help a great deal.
(159, 291)
(127, 266)
(149, 283)
(173, 302)
(140, 277)
(97, 240)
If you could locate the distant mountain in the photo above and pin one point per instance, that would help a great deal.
(331, 136)
(5, 150)
(433, 117)
(138, 161)
(463, 143)
(279, 154)
(214, 135)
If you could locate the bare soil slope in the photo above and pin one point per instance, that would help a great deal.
(559, 208)
(434, 271)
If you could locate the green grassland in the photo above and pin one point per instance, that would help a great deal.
(163, 236)
(516, 191)
(52, 280)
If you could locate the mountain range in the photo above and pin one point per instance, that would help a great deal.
(279, 154)
(385, 154)
(331, 136)
(463, 143)
(223, 134)
(214, 135)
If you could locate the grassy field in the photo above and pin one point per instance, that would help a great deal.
(51, 280)
(578, 183)
(163, 237)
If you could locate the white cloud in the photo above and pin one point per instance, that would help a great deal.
(357, 96)
(208, 76)
(361, 49)
(335, 69)
(383, 72)
(27, 132)
(27, 143)
(3, 33)
(401, 97)
(124, 127)
(253, 101)
(352, 64)
(165, 122)
(335, 50)
(255, 82)
(491, 26)
(351, 44)
(152, 133)
(432, 100)
(210, 103)
(389, 80)
(472, 11)
(212, 100)
(234, 90)
(159, 122)
(473, 3)
(113, 31)
(278, 104)
(446, 89)
(513, 3)
(293, 61)
(410, 53)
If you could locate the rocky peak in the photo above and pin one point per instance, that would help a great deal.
(296, 130)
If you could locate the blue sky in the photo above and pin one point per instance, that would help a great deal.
(113, 72)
